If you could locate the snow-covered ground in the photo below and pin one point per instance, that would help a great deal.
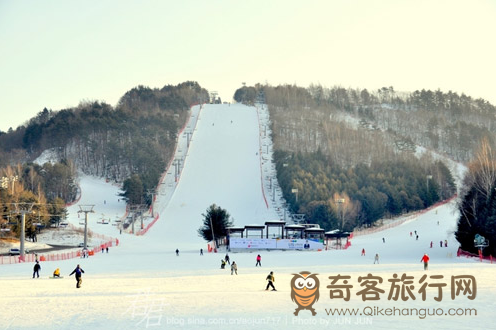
(143, 284)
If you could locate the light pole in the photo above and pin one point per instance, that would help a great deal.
(428, 178)
(86, 209)
(213, 237)
(152, 193)
(295, 191)
(7, 179)
(340, 202)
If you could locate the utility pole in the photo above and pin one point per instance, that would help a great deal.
(23, 208)
(213, 237)
(188, 137)
(137, 210)
(153, 194)
(177, 166)
(340, 202)
(295, 191)
(86, 209)
(6, 179)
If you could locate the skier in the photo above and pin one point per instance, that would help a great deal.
(376, 258)
(417, 238)
(56, 273)
(440, 243)
(431, 244)
(234, 268)
(425, 259)
(363, 252)
(383, 240)
(222, 264)
(106, 249)
(227, 259)
(445, 243)
(78, 272)
(201, 252)
(271, 280)
(177, 252)
(36, 269)
(259, 261)
(410, 234)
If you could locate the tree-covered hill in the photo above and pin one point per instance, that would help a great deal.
(136, 137)
(351, 144)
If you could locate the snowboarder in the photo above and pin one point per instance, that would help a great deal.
(78, 272)
(425, 259)
(222, 264)
(177, 252)
(259, 261)
(363, 252)
(56, 273)
(227, 259)
(36, 269)
(376, 258)
(271, 280)
(201, 252)
(234, 268)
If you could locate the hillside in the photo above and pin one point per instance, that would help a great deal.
(190, 291)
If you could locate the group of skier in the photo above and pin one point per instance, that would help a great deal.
(56, 273)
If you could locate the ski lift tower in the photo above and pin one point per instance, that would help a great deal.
(480, 242)
(86, 209)
(23, 209)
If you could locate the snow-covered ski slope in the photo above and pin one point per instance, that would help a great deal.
(143, 284)
(222, 167)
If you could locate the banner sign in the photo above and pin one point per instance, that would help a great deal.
(270, 243)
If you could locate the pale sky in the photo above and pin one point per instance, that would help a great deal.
(57, 53)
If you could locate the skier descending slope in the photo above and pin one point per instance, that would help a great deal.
(78, 272)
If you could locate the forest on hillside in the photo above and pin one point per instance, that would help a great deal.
(477, 204)
(376, 134)
(318, 118)
(132, 141)
(44, 189)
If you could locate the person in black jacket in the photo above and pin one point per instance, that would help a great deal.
(271, 280)
(36, 269)
(78, 272)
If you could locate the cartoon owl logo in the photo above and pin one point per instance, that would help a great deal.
(305, 291)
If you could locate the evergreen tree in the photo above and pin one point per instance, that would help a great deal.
(216, 220)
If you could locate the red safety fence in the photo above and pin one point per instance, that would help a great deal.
(260, 156)
(461, 253)
(32, 257)
(145, 230)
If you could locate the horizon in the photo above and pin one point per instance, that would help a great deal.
(59, 53)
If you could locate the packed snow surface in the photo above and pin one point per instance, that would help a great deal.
(143, 284)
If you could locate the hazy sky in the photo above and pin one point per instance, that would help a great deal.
(55, 54)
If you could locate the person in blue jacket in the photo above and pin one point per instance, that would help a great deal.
(78, 272)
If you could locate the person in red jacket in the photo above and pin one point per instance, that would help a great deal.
(425, 259)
